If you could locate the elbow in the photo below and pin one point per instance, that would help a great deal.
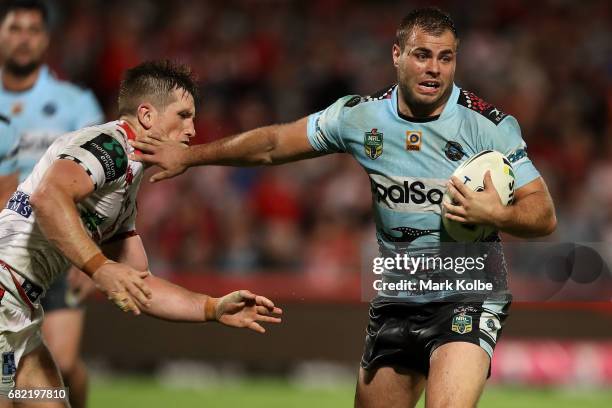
(39, 197)
(550, 225)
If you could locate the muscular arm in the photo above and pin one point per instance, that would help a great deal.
(531, 215)
(54, 201)
(269, 145)
(172, 302)
(169, 301)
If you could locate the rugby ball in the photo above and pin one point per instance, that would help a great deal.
(471, 173)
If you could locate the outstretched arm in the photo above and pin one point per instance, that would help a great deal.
(175, 303)
(267, 145)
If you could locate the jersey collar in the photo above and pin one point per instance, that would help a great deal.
(43, 76)
(449, 108)
(129, 132)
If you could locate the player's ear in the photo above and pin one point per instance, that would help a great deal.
(146, 115)
(396, 51)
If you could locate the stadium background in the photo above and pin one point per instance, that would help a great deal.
(295, 232)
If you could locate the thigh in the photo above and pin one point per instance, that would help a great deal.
(37, 370)
(457, 375)
(62, 329)
(388, 387)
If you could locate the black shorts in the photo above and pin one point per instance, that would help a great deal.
(56, 297)
(406, 334)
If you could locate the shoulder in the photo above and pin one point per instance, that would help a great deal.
(350, 105)
(476, 107)
(69, 92)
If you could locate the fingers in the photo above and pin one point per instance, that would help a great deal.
(246, 294)
(460, 187)
(456, 218)
(268, 319)
(124, 302)
(264, 310)
(264, 301)
(455, 194)
(488, 181)
(256, 327)
(145, 146)
(455, 209)
(162, 175)
(139, 291)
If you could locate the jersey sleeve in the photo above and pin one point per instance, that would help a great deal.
(325, 127)
(102, 156)
(88, 111)
(509, 141)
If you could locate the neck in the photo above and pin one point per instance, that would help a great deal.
(139, 131)
(421, 111)
(19, 83)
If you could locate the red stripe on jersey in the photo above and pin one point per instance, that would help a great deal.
(129, 132)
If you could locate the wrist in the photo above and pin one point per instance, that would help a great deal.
(93, 264)
(502, 217)
(210, 309)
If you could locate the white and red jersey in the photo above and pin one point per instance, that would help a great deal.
(108, 213)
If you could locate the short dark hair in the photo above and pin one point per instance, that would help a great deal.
(432, 20)
(154, 81)
(37, 5)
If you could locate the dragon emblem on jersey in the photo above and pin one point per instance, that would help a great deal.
(475, 103)
(92, 220)
(373, 144)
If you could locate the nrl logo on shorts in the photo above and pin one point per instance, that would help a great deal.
(461, 324)
(373, 144)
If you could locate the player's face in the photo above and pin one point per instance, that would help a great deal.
(426, 69)
(176, 121)
(23, 40)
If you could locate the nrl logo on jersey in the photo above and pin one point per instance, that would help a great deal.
(373, 144)
(461, 324)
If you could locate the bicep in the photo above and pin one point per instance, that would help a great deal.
(537, 186)
(129, 251)
(67, 177)
(291, 142)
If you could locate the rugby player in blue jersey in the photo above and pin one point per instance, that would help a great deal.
(41, 108)
(409, 138)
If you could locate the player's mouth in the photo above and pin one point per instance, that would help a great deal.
(428, 87)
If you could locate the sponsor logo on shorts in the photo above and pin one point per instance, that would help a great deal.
(20, 203)
(461, 324)
(8, 367)
(373, 144)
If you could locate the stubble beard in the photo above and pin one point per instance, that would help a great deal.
(21, 70)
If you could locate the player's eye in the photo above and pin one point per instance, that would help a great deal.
(421, 56)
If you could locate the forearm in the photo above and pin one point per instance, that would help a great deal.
(174, 303)
(58, 219)
(531, 216)
(268, 145)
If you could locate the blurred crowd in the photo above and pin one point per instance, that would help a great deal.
(547, 63)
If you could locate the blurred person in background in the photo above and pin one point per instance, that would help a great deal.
(9, 146)
(78, 206)
(41, 108)
(409, 138)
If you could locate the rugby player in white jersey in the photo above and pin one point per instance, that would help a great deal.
(79, 206)
(41, 108)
